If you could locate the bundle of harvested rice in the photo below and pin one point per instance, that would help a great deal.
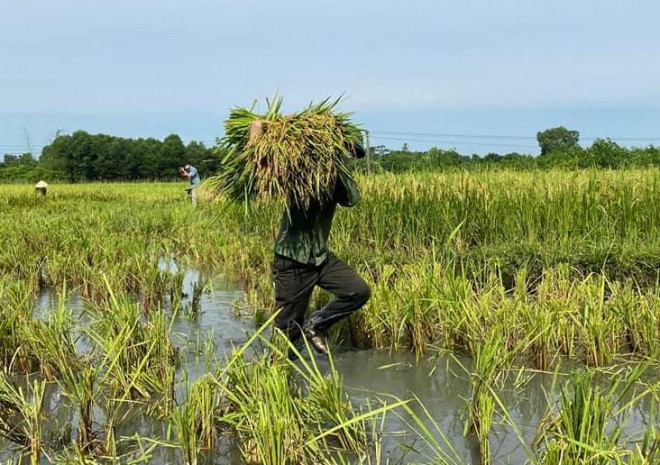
(295, 157)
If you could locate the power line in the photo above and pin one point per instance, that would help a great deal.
(437, 134)
(454, 142)
(19, 146)
(500, 136)
(427, 137)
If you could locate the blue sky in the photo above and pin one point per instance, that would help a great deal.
(457, 70)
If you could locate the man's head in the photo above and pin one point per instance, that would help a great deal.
(186, 166)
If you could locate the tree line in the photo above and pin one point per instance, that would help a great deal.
(559, 148)
(81, 157)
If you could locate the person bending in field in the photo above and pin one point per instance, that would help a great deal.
(303, 261)
(190, 172)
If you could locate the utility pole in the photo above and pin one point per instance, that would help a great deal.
(367, 151)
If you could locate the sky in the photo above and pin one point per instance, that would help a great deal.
(476, 75)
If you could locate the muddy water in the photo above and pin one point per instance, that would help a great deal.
(440, 383)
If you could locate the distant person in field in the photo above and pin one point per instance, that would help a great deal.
(190, 172)
(303, 261)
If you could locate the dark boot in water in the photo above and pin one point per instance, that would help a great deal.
(316, 339)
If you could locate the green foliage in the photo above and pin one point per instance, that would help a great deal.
(603, 153)
(94, 157)
(24, 168)
(557, 139)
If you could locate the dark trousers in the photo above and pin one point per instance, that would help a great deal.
(294, 283)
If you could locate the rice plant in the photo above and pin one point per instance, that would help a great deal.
(587, 428)
(195, 306)
(139, 352)
(53, 343)
(22, 415)
(16, 312)
(176, 291)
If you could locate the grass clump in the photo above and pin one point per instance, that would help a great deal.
(23, 415)
(589, 424)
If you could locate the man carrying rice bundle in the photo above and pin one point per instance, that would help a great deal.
(300, 158)
(303, 261)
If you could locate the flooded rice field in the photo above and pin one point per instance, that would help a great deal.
(513, 319)
(440, 383)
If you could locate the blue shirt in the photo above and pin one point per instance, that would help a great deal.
(194, 176)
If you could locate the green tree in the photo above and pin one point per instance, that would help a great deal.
(56, 157)
(605, 153)
(149, 152)
(557, 139)
(172, 154)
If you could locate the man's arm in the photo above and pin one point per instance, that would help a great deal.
(358, 151)
(346, 191)
(183, 172)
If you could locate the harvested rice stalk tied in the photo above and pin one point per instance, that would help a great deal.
(296, 157)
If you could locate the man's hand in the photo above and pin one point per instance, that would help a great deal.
(256, 129)
(357, 150)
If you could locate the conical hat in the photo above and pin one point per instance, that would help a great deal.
(41, 185)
